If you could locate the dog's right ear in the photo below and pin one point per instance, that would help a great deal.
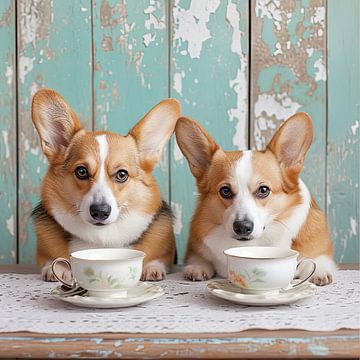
(55, 122)
(196, 144)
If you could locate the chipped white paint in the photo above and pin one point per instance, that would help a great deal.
(355, 127)
(178, 82)
(319, 16)
(177, 209)
(270, 9)
(9, 74)
(233, 17)
(5, 135)
(353, 226)
(153, 21)
(178, 155)
(239, 86)
(34, 150)
(191, 25)
(10, 225)
(239, 83)
(320, 74)
(148, 39)
(26, 65)
(309, 51)
(268, 106)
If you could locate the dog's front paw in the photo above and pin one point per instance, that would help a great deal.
(153, 271)
(63, 272)
(322, 279)
(325, 268)
(198, 272)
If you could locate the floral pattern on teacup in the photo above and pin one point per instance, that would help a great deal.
(244, 279)
(114, 282)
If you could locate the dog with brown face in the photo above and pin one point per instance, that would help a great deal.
(253, 198)
(99, 190)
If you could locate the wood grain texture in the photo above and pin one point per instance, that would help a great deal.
(343, 159)
(130, 66)
(54, 47)
(209, 72)
(251, 344)
(288, 74)
(8, 174)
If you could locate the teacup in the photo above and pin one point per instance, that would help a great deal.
(103, 272)
(257, 269)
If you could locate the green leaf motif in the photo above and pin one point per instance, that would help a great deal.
(89, 272)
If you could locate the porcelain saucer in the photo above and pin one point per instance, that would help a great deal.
(224, 289)
(132, 297)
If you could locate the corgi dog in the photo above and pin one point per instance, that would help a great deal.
(253, 198)
(99, 190)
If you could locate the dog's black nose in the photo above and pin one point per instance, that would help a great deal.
(243, 227)
(100, 212)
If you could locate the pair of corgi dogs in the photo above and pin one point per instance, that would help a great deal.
(99, 191)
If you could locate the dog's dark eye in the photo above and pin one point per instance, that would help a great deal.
(121, 176)
(82, 173)
(225, 192)
(263, 192)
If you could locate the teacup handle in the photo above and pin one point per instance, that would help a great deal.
(57, 277)
(309, 275)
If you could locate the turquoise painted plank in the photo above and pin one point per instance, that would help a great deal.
(131, 66)
(288, 70)
(209, 75)
(343, 159)
(54, 46)
(8, 175)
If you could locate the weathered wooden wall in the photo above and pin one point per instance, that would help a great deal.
(240, 67)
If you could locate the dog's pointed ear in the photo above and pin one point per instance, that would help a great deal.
(154, 131)
(196, 144)
(291, 143)
(54, 120)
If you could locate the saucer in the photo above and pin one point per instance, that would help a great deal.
(132, 297)
(224, 289)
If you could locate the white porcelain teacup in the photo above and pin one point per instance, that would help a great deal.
(103, 272)
(257, 269)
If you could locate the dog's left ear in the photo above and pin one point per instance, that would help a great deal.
(291, 143)
(154, 131)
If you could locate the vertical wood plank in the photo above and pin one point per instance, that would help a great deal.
(344, 127)
(8, 166)
(54, 47)
(209, 75)
(288, 74)
(131, 66)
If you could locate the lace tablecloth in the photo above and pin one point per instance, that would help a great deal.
(27, 305)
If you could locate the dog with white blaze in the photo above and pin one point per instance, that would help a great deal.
(253, 198)
(99, 190)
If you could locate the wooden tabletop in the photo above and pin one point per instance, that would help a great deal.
(250, 344)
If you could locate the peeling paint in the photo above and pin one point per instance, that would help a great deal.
(9, 74)
(26, 65)
(177, 209)
(177, 154)
(10, 225)
(320, 75)
(353, 226)
(191, 25)
(269, 9)
(6, 143)
(177, 84)
(270, 107)
(355, 127)
(239, 84)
